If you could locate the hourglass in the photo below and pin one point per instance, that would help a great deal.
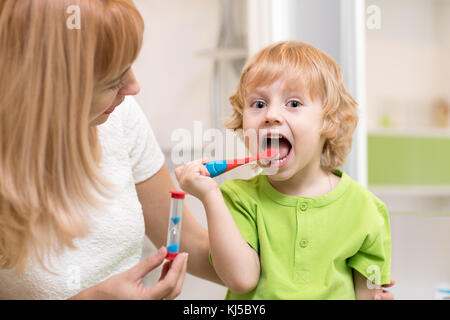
(174, 230)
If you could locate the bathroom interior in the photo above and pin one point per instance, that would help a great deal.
(394, 56)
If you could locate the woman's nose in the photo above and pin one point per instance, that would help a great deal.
(273, 115)
(132, 87)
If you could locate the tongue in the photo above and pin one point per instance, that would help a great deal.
(283, 147)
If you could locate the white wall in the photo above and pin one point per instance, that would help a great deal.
(407, 68)
(175, 81)
(420, 254)
(175, 84)
(406, 61)
(315, 22)
(444, 39)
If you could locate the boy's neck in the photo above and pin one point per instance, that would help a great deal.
(309, 182)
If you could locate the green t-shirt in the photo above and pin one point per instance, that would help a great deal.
(308, 246)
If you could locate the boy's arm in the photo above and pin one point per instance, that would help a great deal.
(363, 292)
(235, 262)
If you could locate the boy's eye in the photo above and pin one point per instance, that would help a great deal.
(294, 104)
(258, 104)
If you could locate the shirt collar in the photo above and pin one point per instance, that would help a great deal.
(293, 201)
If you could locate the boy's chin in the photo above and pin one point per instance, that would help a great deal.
(276, 174)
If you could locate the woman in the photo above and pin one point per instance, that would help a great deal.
(81, 174)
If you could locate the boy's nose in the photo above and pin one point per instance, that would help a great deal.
(273, 115)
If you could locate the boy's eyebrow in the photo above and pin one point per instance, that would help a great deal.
(256, 92)
(117, 79)
(287, 91)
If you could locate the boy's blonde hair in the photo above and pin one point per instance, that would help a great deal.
(311, 70)
(49, 154)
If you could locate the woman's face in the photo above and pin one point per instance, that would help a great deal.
(107, 98)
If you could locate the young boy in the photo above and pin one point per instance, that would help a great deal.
(306, 230)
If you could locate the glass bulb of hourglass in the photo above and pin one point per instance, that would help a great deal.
(174, 245)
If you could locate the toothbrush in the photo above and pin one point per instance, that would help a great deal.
(218, 167)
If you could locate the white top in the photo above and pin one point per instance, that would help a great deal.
(131, 155)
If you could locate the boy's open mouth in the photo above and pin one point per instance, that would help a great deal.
(280, 143)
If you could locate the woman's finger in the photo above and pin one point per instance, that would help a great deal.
(180, 282)
(165, 269)
(165, 286)
(140, 270)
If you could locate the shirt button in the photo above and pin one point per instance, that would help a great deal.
(303, 243)
(303, 206)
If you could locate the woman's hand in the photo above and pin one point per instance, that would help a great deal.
(128, 284)
(194, 178)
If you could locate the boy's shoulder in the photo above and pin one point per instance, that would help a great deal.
(241, 183)
(358, 194)
(242, 187)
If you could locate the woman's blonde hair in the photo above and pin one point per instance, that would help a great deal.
(49, 155)
(312, 70)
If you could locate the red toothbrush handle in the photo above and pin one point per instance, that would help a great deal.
(231, 164)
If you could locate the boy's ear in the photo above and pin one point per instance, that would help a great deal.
(331, 131)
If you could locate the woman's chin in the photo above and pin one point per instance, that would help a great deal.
(99, 120)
